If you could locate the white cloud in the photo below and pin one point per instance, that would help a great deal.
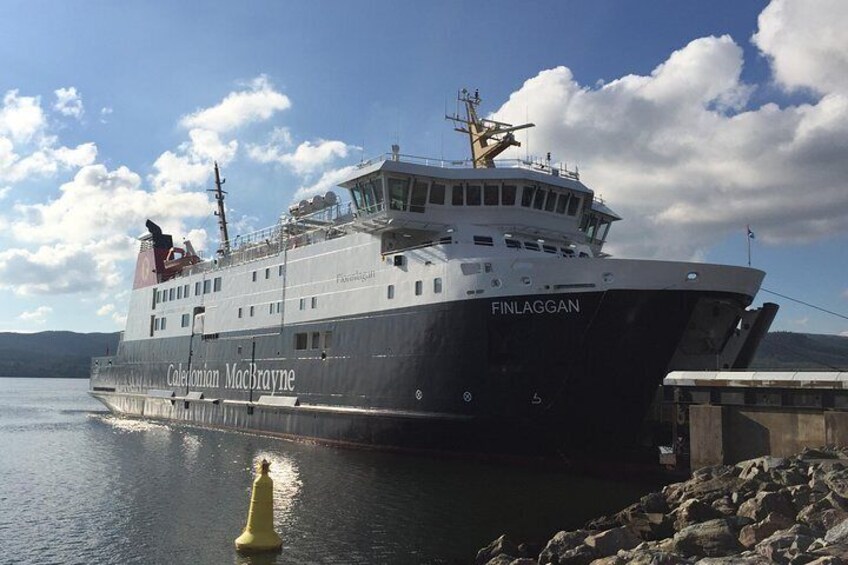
(26, 148)
(191, 164)
(676, 154)
(106, 310)
(328, 181)
(68, 102)
(89, 229)
(105, 112)
(844, 334)
(99, 203)
(307, 158)
(4, 191)
(21, 117)
(256, 103)
(806, 43)
(37, 316)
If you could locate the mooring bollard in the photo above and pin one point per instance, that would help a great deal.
(259, 534)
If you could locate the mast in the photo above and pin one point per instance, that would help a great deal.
(488, 138)
(221, 213)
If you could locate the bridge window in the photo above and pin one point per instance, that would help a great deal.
(390, 291)
(483, 240)
(550, 203)
(316, 340)
(539, 199)
(207, 286)
(398, 194)
(184, 321)
(179, 292)
(419, 197)
(437, 194)
(239, 312)
(512, 244)
(562, 202)
(197, 288)
(573, 205)
(527, 196)
(490, 195)
(419, 288)
(508, 195)
(549, 249)
(216, 284)
(531, 245)
(437, 285)
(472, 195)
(457, 196)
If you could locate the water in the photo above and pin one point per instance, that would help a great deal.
(78, 485)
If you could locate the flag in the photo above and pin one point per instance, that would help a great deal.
(751, 234)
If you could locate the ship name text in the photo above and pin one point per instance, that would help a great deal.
(358, 276)
(521, 307)
(249, 377)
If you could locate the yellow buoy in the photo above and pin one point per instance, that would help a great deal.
(259, 534)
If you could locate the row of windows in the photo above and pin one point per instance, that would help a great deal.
(182, 291)
(273, 308)
(419, 288)
(312, 340)
(158, 324)
(313, 303)
(255, 274)
(410, 195)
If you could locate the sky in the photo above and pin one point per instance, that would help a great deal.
(693, 120)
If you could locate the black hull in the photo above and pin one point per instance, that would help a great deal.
(524, 374)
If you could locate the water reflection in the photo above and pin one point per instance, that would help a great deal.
(287, 483)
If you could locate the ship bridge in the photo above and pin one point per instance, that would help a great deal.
(424, 198)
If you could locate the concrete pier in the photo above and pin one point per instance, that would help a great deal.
(731, 416)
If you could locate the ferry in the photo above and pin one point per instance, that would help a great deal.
(439, 305)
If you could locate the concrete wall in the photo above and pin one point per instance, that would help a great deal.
(729, 434)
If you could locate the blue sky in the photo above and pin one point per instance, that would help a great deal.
(689, 124)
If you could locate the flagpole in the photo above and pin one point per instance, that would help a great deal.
(748, 237)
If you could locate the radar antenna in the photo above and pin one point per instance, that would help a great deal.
(488, 138)
(221, 213)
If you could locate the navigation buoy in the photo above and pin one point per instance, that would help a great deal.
(259, 534)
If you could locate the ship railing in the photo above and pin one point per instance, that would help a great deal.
(538, 165)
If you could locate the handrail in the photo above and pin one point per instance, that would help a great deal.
(537, 166)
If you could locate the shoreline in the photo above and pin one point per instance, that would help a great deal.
(764, 510)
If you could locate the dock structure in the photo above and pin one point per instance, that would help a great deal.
(723, 417)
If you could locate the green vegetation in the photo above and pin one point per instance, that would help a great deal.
(787, 351)
(52, 354)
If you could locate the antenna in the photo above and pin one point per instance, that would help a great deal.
(221, 213)
(488, 138)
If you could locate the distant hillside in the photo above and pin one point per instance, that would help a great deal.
(787, 350)
(68, 354)
(52, 354)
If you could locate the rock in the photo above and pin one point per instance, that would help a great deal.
(822, 514)
(650, 557)
(827, 560)
(724, 506)
(713, 471)
(523, 561)
(783, 546)
(838, 533)
(502, 545)
(789, 477)
(801, 495)
(837, 481)
(810, 454)
(765, 503)
(501, 559)
(693, 511)
(654, 503)
(838, 551)
(751, 468)
(528, 549)
(753, 534)
(734, 560)
(580, 555)
(609, 542)
(611, 560)
(714, 538)
(562, 543)
(650, 527)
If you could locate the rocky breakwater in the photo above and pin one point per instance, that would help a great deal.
(767, 510)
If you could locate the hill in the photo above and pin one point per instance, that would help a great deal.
(52, 354)
(68, 354)
(788, 350)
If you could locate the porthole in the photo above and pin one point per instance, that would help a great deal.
(608, 277)
(691, 276)
(418, 394)
(466, 396)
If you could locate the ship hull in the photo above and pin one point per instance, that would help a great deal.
(524, 374)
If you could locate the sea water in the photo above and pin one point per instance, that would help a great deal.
(78, 485)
